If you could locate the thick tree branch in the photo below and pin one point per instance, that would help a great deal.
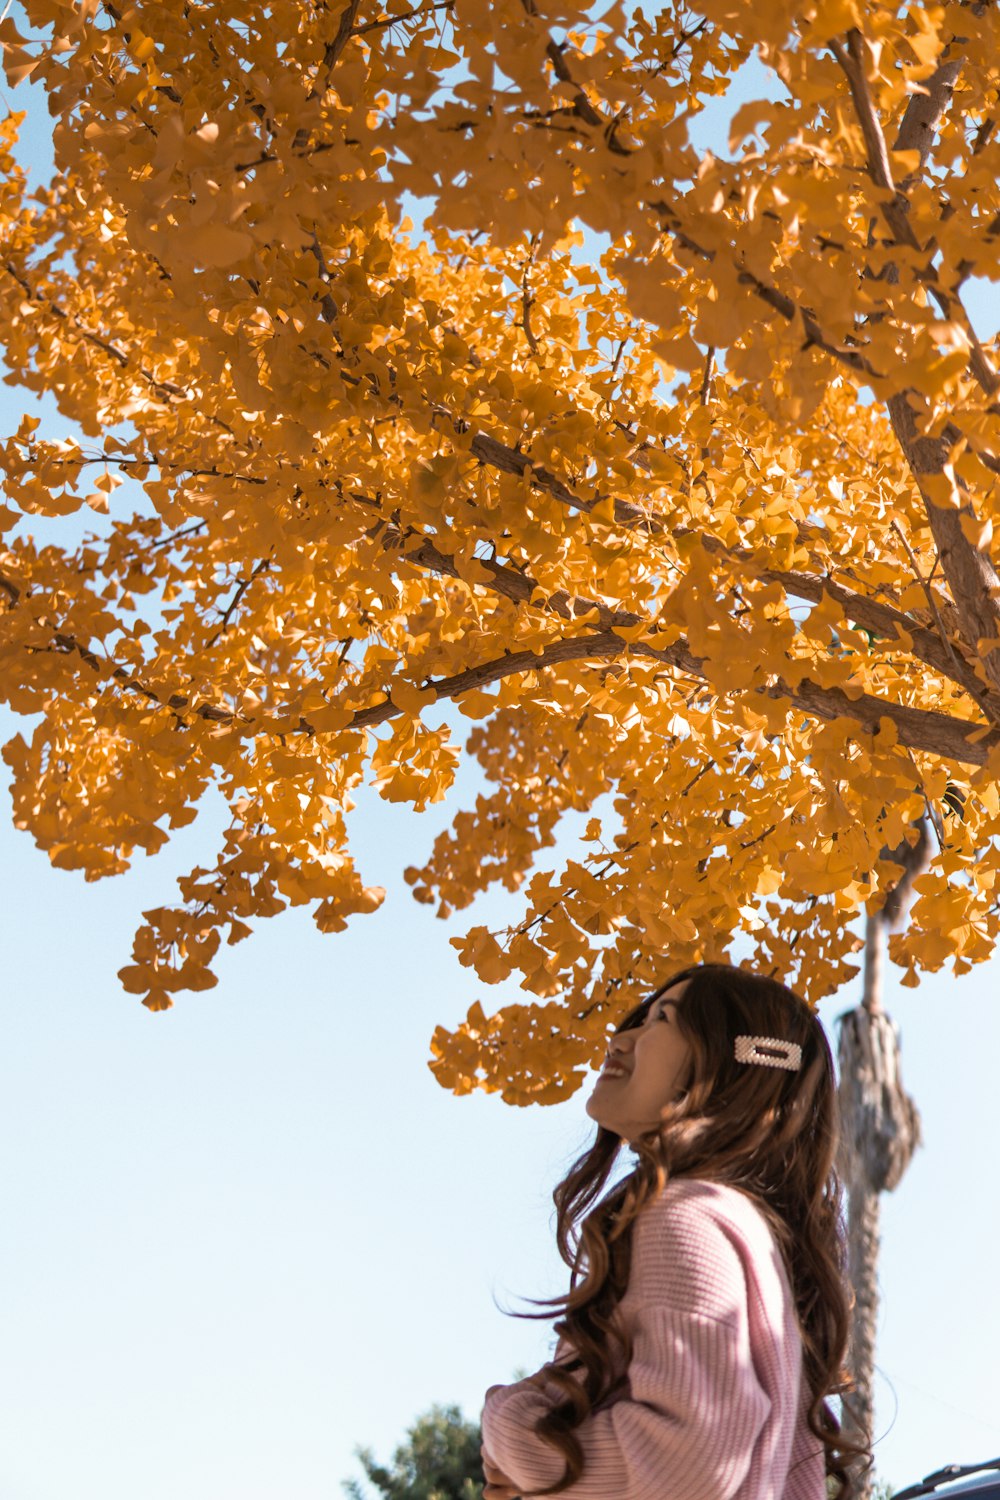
(923, 114)
(846, 354)
(915, 134)
(972, 578)
(870, 614)
(880, 618)
(918, 729)
(509, 461)
(896, 208)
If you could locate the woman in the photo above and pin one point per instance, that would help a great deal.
(698, 1350)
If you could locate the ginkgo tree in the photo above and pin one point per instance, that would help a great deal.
(695, 531)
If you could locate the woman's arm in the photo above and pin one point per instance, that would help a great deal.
(695, 1410)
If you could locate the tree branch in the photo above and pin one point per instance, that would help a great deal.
(331, 56)
(916, 133)
(896, 209)
(919, 729)
(241, 589)
(162, 387)
(870, 614)
(972, 578)
(847, 354)
(406, 15)
(923, 114)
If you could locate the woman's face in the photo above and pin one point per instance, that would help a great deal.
(645, 1070)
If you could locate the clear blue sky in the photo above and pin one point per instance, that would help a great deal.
(244, 1236)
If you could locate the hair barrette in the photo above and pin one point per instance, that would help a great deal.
(769, 1052)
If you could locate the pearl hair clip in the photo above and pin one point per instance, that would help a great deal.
(769, 1052)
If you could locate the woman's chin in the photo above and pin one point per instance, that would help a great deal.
(596, 1113)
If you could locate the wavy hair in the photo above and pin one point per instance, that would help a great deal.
(770, 1133)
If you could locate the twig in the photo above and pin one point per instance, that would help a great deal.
(241, 589)
(406, 16)
(527, 300)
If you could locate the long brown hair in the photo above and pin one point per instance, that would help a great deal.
(769, 1132)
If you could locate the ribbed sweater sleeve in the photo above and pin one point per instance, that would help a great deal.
(688, 1426)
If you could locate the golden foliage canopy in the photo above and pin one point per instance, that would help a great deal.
(700, 525)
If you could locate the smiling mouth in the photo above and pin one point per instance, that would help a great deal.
(613, 1073)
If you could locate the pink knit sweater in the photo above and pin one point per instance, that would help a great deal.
(716, 1399)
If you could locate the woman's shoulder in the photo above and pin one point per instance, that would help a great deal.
(699, 1203)
(699, 1236)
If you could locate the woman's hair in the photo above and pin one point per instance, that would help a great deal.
(767, 1131)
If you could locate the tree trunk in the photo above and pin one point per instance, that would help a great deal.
(880, 1130)
(859, 1406)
